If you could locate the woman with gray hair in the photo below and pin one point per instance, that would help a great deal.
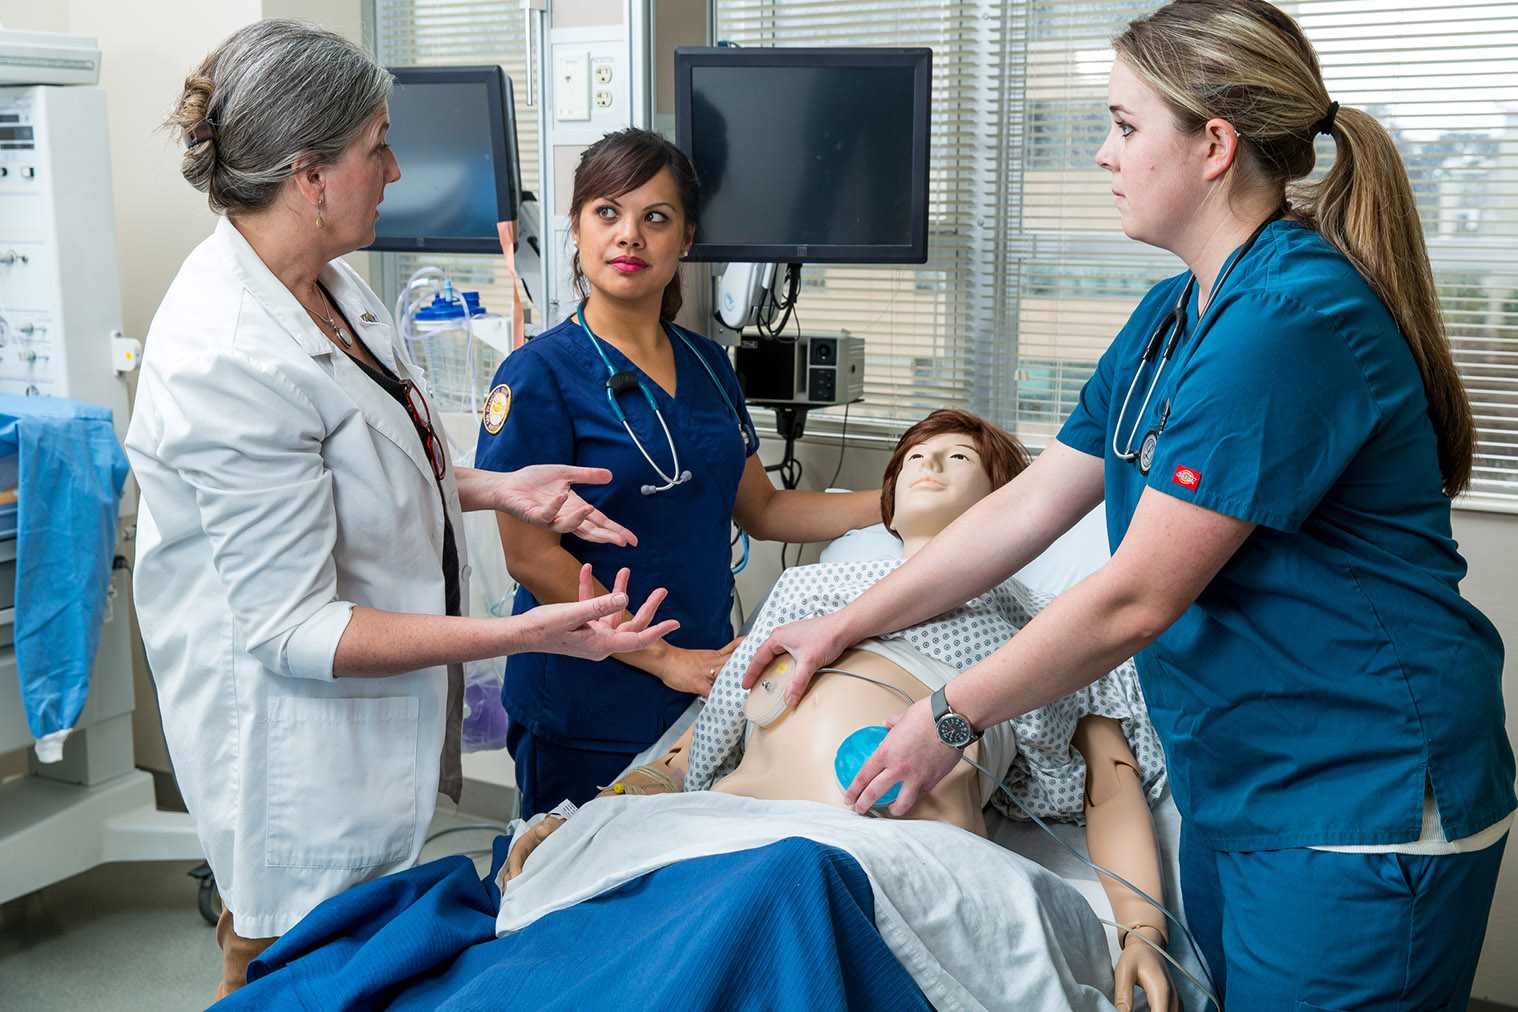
(299, 564)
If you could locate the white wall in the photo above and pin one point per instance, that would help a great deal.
(1489, 542)
(147, 49)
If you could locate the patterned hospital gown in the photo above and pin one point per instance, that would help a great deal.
(1047, 774)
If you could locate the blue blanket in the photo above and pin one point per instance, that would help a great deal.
(785, 927)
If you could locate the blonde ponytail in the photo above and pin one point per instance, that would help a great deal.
(1364, 206)
(1247, 62)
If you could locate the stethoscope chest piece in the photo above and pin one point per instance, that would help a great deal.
(1146, 451)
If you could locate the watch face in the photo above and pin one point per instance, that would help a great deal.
(954, 730)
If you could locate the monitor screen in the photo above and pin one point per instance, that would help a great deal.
(453, 131)
(807, 155)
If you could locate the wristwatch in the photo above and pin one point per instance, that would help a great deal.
(953, 730)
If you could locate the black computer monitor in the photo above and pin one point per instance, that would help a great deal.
(453, 130)
(807, 155)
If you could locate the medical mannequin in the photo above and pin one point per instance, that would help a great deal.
(790, 756)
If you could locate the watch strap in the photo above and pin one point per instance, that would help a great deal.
(940, 703)
(940, 709)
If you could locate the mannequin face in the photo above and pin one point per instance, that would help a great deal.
(939, 479)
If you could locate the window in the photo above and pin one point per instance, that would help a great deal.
(411, 33)
(1029, 276)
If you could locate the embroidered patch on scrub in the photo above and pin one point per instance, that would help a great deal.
(497, 407)
(1185, 476)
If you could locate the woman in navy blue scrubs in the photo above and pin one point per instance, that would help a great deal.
(1277, 434)
(581, 393)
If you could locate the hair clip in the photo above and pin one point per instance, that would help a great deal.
(202, 131)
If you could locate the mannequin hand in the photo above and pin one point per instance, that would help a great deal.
(693, 670)
(812, 643)
(594, 628)
(911, 755)
(540, 495)
(1139, 964)
(526, 842)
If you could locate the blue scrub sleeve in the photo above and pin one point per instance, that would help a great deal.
(1269, 411)
(538, 427)
(1087, 427)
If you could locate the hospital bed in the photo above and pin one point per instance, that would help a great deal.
(783, 911)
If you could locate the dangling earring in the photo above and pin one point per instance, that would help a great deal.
(320, 202)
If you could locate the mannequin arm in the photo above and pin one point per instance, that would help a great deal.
(1120, 836)
(663, 776)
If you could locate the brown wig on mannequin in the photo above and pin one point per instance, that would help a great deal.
(1004, 457)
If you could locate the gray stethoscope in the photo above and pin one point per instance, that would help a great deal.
(618, 382)
(1174, 322)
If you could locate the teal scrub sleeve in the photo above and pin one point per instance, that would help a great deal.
(1267, 412)
(537, 428)
(1087, 427)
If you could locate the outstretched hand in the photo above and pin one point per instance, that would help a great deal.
(813, 643)
(540, 495)
(910, 755)
(594, 627)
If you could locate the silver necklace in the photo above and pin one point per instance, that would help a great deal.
(342, 334)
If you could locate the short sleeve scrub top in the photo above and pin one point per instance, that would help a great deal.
(1331, 673)
(549, 405)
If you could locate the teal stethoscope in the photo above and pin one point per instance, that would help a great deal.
(620, 381)
(1175, 323)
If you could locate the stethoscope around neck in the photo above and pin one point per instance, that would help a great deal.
(1175, 323)
(623, 380)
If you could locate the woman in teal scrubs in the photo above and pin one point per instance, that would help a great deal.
(618, 385)
(1276, 434)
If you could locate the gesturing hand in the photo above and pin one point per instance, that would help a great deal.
(540, 495)
(593, 627)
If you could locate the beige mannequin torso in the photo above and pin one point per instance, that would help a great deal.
(792, 757)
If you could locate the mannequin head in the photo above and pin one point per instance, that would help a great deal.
(941, 467)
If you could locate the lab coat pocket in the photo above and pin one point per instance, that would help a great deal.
(342, 781)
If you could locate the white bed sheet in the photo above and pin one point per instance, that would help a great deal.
(978, 927)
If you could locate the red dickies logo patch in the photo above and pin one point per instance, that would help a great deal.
(1187, 477)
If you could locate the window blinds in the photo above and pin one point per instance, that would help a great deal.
(1029, 275)
(461, 33)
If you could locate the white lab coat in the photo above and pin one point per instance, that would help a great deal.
(280, 487)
